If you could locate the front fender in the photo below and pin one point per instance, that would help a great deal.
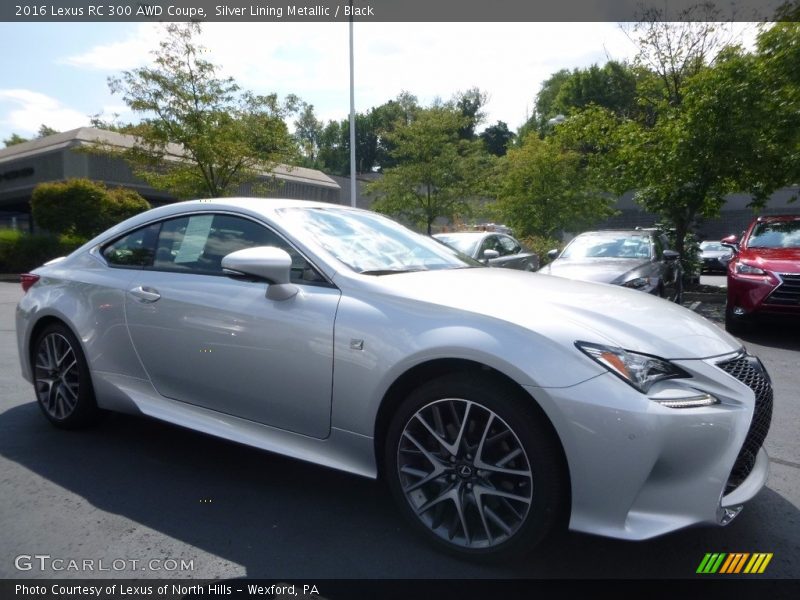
(371, 351)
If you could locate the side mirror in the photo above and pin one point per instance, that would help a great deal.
(265, 262)
(671, 255)
(731, 242)
(552, 254)
(488, 255)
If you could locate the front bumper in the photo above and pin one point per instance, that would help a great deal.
(639, 469)
(777, 294)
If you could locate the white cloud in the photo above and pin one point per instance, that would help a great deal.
(131, 52)
(33, 109)
(507, 60)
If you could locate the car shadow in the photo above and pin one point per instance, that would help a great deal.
(282, 518)
(774, 334)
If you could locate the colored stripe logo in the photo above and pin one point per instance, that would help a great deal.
(734, 563)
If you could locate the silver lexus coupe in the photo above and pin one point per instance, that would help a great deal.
(495, 403)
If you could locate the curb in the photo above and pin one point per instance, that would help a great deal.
(719, 298)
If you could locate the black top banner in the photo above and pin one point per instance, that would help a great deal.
(396, 10)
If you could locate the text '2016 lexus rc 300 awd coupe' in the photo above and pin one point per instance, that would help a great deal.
(494, 402)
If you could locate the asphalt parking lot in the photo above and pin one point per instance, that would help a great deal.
(138, 490)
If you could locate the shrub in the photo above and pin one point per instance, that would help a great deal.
(541, 245)
(21, 252)
(83, 207)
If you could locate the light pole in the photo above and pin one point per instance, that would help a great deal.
(352, 118)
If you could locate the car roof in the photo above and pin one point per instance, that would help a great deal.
(623, 231)
(465, 234)
(257, 204)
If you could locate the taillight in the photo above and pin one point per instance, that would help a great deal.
(27, 280)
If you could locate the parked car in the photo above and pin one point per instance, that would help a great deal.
(764, 273)
(494, 403)
(639, 259)
(714, 257)
(498, 249)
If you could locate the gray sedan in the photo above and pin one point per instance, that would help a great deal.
(636, 259)
(714, 257)
(495, 404)
(496, 249)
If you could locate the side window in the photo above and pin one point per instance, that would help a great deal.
(135, 250)
(508, 246)
(490, 243)
(198, 243)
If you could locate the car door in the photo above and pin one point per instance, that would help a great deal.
(511, 255)
(218, 342)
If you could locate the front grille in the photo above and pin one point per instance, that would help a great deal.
(787, 293)
(749, 370)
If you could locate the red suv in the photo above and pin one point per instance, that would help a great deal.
(764, 274)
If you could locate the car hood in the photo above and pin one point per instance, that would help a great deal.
(603, 270)
(779, 260)
(565, 310)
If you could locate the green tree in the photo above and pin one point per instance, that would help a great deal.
(200, 134)
(496, 138)
(612, 86)
(543, 190)
(777, 61)
(719, 129)
(82, 207)
(374, 147)
(436, 172)
(470, 104)
(14, 139)
(386, 118)
(308, 132)
(45, 131)
(544, 106)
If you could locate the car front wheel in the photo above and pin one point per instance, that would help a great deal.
(474, 468)
(61, 379)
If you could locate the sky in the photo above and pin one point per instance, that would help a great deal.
(56, 73)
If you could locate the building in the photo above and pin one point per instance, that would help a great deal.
(734, 217)
(60, 156)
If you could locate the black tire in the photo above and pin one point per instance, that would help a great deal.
(62, 382)
(532, 504)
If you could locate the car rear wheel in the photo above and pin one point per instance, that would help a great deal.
(473, 468)
(61, 379)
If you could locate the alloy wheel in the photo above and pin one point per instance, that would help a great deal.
(465, 473)
(57, 375)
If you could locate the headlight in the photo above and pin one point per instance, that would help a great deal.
(745, 269)
(638, 283)
(639, 370)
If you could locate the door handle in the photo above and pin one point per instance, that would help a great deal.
(145, 294)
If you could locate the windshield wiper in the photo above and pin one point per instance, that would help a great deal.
(391, 271)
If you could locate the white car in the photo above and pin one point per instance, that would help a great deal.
(494, 402)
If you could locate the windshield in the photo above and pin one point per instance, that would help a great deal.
(463, 243)
(775, 234)
(712, 247)
(371, 244)
(608, 245)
